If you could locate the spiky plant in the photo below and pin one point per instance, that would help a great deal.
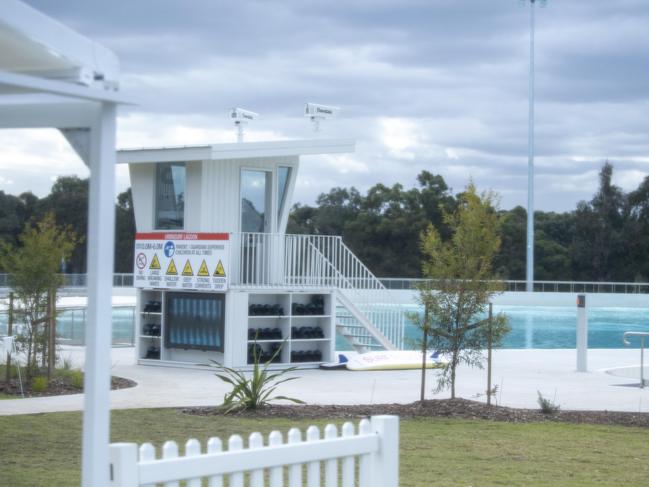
(256, 390)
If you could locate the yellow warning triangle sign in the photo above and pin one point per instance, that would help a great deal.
(220, 271)
(171, 269)
(155, 263)
(187, 270)
(202, 270)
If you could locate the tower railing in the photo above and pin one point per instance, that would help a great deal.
(263, 260)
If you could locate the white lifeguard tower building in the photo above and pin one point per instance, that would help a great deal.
(218, 278)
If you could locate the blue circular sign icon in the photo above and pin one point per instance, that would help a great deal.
(170, 248)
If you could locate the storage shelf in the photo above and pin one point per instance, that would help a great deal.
(150, 336)
(310, 339)
(310, 316)
(323, 345)
(159, 313)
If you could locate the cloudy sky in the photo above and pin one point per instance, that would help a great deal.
(440, 85)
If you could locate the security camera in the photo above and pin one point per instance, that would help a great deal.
(320, 111)
(241, 115)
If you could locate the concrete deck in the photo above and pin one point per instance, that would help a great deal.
(519, 374)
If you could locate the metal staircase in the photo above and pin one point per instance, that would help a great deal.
(367, 314)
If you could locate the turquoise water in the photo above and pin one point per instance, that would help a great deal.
(70, 326)
(555, 327)
(531, 327)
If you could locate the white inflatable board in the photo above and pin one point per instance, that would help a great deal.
(394, 360)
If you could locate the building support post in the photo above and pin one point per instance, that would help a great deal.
(101, 248)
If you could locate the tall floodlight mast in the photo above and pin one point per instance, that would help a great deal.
(529, 273)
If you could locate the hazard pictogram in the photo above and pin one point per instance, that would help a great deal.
(220, 271)
(187, 270)
(171, 270)
(155, 263)
(203, 270)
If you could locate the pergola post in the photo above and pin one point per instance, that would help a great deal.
(101, 237)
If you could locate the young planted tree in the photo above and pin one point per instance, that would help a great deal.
(33, 268)
(462, 283)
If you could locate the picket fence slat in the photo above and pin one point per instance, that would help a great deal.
(169, 452)
(235, 443)
(214, 445)
(295, 470)
(313, 468)
(365, 460)
(276, 473)
(331, 466)
(147, 454)
(255, 442)
(348, 462)
(375, 447)
(193, 449)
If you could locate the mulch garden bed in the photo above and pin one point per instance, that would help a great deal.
(58, 387)
(443, 408)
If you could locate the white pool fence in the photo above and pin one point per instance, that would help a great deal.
(365, 457)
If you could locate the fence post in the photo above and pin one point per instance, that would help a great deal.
(123, 465)
(385, 465)
(10, 331)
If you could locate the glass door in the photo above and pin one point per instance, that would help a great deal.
(256, 224)
(255, 201)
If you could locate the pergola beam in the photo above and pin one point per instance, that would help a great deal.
(23, 82)
(60, 115)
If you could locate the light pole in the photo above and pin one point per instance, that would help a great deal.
(529, 273)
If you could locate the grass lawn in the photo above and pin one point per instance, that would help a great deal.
(44, 449)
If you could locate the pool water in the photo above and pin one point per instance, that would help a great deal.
(555, 327)
(531, 327)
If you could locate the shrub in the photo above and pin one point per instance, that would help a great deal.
(39, 384)
(547, 406)
(76, 379)
(255, 391)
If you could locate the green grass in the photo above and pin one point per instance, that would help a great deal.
(45, 449)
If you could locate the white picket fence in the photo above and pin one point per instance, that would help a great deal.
(363, 458)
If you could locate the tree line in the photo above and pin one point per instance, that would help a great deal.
(68, 203)
(603, 239)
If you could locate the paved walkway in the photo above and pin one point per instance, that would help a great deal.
(519, 374)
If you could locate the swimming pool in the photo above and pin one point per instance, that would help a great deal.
(555, 327)
(531, 326)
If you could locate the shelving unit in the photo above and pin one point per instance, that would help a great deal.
(308, 338)
(150, 325)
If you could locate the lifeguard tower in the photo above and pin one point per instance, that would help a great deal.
(219, 278)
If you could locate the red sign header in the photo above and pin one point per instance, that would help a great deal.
(181, 236)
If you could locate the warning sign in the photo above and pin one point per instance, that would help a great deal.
(155, 263)
(171, 269)
(220, 271)
(203, 271)
(155, 252)
(140, 261)
(187, 270)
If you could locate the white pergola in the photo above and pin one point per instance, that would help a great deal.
(51, 76)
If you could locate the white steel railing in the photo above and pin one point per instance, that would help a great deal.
(403, 284)
(369, 457)
(260, 260)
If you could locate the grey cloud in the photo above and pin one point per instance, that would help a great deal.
(456, 68)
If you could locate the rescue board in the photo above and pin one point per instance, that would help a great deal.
(395, 360)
